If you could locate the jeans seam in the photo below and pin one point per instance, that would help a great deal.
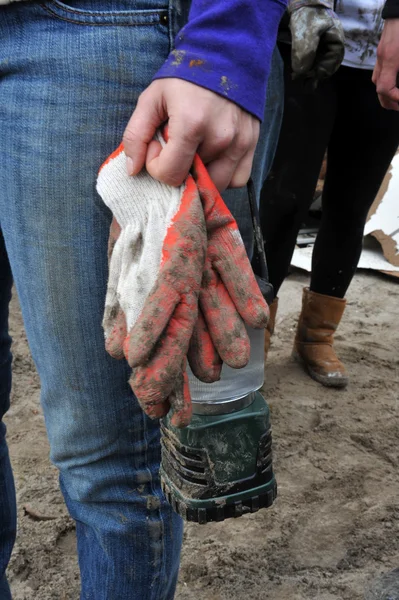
(88, 13)
(171, 26)
(161, 566)
(156, 21)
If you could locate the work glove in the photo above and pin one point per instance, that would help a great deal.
(229, 300)
(318, 39)
(146, 320)
(116, 336)
(230, 297)
(157, 242)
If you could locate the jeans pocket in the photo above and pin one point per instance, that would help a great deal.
(112, 12)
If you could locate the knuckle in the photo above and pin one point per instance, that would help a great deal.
(195, 125)
(174, 180)
(382, 88)
(222, 139)
(244, 141)
(170, 178)
(129, 137)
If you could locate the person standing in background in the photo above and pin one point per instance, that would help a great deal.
(340, 114)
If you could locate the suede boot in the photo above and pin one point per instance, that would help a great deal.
(318, 321)
(270, 326)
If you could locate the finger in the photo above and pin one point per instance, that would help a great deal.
(303, 56)
(153, 150)
(154, 410)
(180, 401)
(214, 146)
(173, 163)
(376, 72)
(233, 168)
(330, 55)
(243, 170)
(147, 117)
(202, 355)
(387, 103)
(116, 336)
(153, 382)
(239, 279)
(386, 84)
(225, 325)
(157, 312)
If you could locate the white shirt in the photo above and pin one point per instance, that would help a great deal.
(362, 23)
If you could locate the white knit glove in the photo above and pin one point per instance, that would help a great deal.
(144, 209)
(157, 251)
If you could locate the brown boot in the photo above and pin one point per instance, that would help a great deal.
(319, 318)
(270, 326)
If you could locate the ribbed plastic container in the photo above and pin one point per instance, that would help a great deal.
(234, 383)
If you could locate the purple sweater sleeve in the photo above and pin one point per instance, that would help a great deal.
(226, 46)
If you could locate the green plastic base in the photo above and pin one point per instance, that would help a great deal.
(219, 466)
(219, 509)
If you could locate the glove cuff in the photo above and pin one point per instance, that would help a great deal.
(296, 4)
(132, 199)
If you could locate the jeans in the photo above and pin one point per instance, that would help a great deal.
(69, 80)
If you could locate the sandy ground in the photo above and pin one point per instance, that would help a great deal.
(336, 522)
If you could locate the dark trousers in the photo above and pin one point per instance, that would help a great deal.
(344, 116)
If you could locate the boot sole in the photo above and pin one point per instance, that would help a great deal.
(339, 382)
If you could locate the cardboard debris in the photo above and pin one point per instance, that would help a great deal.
(383, 222)
(371, 258)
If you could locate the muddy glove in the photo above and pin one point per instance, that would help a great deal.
(203, 358)
(229, 299)
(318, 39)
(229, 296)
(155, 273)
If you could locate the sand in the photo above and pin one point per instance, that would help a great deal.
(335, 524)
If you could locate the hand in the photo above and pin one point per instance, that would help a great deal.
(317, 48)
(223, 134)
(387, 66)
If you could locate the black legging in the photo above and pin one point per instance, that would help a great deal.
(344, 115)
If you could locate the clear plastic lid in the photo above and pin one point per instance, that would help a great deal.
(234, 383)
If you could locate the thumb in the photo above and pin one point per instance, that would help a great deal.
(172, 162)
(386, 83)
(146, 119)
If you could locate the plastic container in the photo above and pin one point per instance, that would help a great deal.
(234, 383)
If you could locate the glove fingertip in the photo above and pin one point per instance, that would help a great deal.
(114, 349)
(156, 411)
(238, 354)
(210, 374)
(136, 354)
(182, 418)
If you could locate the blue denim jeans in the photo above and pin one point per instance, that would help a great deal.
(69, 80)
